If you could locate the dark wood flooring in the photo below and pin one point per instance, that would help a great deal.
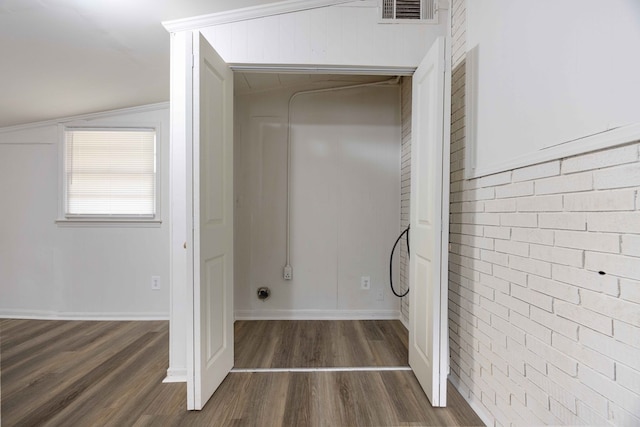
(76, 373)
(320, 343)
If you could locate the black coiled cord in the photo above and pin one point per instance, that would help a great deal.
(406, 231)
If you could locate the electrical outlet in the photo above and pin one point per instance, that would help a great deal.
(287, 273)
(155, 283)
(365, 283)
(380, 295)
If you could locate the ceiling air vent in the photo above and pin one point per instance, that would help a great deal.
(424, 10)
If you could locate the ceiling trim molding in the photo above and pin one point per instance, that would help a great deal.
(322, 69)
(248, 13)
(88, 116)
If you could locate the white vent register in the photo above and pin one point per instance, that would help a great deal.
(423, 10)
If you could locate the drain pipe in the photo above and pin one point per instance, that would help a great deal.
(287, 273)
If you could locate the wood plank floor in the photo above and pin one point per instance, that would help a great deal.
(75, 373)
(320, 343)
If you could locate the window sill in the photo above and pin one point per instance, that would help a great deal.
(104, 222)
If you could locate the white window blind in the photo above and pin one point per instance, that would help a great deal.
(110, 172)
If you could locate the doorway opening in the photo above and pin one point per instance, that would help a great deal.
(210, 214)
(319, 185)
(319, 172)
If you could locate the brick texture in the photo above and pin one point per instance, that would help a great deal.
(544, 286)
(405, 194)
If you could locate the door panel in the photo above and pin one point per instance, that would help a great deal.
(428, 276)
(210, 245)
(213, 279)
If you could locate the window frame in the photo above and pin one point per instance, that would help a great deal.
(89, 220)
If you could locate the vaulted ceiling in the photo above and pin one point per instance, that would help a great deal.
(60, 58)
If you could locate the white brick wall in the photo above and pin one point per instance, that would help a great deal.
(544, 289)
(405, 193)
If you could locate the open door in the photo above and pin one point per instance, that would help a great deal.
(210, 234)
(428, 333)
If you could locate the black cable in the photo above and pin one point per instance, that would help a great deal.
(406, 231)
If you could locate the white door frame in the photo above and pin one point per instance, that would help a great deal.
(179, 138)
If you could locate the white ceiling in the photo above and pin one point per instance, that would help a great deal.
(60, 58)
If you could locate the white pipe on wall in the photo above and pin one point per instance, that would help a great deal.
(288, 270)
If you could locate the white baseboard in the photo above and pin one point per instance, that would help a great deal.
(486, 419)
(404, 321)
(176, 375)
(55, 315)
(317, 314)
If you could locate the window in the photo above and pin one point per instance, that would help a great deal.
(109, 173)
(424, 10)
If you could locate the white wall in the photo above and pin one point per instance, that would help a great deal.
(345, 202)
(551, 72)
(48, 270)
(342, 35)
(537, 334)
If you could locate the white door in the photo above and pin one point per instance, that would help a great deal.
(210, 234)
(428, 333)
